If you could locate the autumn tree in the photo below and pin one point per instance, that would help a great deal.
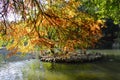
(47, 24)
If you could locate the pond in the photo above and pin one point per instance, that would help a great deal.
(87, 71)
(101, 70)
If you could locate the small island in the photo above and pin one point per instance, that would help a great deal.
(72, 57)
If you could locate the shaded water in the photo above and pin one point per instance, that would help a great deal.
(103, 70)
(88, 71)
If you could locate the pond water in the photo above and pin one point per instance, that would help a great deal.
(12, 70)
(102, 70)
(88, 71)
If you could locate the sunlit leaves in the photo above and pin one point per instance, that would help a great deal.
(55, 24)
(103, 9)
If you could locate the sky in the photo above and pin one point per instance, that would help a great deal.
(11, 15)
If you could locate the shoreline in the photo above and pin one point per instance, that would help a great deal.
(73, 58)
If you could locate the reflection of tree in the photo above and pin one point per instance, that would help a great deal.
(52, 67)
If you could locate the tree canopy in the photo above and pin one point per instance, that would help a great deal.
(102, 9)
(48, 24)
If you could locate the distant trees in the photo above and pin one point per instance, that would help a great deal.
(110, 36)
(103, 9)
(107, 10)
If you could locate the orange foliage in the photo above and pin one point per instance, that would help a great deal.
(69, 26)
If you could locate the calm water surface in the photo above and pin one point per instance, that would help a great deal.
(102, 70)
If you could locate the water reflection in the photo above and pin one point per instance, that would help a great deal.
(107, 69)
(88, 71)
(103, 70)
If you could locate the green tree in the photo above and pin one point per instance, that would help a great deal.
(102, 9)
